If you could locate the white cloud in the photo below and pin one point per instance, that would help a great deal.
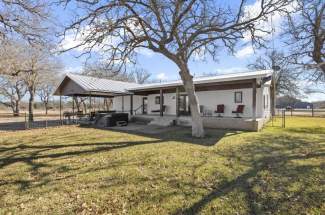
(162, 76)
(273, 20)
(232, 70)
(75, 40)
(72, 69)
(245, 52)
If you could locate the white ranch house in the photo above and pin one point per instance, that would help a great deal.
(219, 99)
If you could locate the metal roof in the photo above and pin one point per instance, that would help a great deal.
(105, 87)
(94, 85)
(210, 79)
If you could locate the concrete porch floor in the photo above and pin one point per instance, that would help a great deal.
(144, 128)
(210, 121)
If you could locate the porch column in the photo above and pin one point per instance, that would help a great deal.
(122, 103)
(254, 99)
(177, 101)
(131, 104)
(161, 103)
(73, 108)
(273, 96)
(60, 108)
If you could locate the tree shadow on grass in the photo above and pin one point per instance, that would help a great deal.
(178, 134)
(33, 158)
(273, 174)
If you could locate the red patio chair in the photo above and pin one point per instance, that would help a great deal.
(220, 110)
(239, 110)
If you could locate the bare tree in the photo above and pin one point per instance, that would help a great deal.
(11, 57)
(12, 90)
(102, 70)
(23, 18)
(176, 29)
(38, 62)
(141, 75)
(284, 77)
(48, 82)
(306, 31)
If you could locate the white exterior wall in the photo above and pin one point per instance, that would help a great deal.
(209, 99)
(119, 100)
(169, 102)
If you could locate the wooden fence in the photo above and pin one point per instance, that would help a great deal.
(302, 112)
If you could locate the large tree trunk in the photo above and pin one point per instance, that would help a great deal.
(197, 123)
(46, 108)
(31, 106)
(16, 109)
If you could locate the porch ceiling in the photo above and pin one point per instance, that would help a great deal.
(228, 85)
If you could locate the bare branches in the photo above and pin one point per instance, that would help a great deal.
(286, 78)
(306, 37)
(23, 19)
(101, 70)
(12, 90)
(176, 29)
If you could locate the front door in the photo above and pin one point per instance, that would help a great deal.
(184, 109)
(144, 105)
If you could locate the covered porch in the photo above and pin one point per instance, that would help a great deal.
(215, 99)
(91, 90)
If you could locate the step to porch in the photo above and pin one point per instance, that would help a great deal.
(163, 122)
(184, 121)
(141, 119)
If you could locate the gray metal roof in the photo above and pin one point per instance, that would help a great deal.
(104, 87)
(92, 85)
(101, 84)
(210, 79)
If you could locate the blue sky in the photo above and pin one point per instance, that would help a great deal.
(162, 68)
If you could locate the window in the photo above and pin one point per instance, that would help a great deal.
(157, 100)
(238, 97)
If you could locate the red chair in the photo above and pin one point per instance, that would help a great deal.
(239, 110)
(220, 110)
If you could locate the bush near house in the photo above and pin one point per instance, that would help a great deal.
(68, 170)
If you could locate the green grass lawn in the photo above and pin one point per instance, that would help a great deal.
(72, 170)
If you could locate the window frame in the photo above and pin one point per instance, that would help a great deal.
(241, 97)
(157, 100)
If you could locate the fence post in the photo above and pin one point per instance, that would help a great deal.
(26, 125)
(291, 111)
(312, 111)
(284, 120)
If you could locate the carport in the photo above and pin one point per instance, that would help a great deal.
(74, 86)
